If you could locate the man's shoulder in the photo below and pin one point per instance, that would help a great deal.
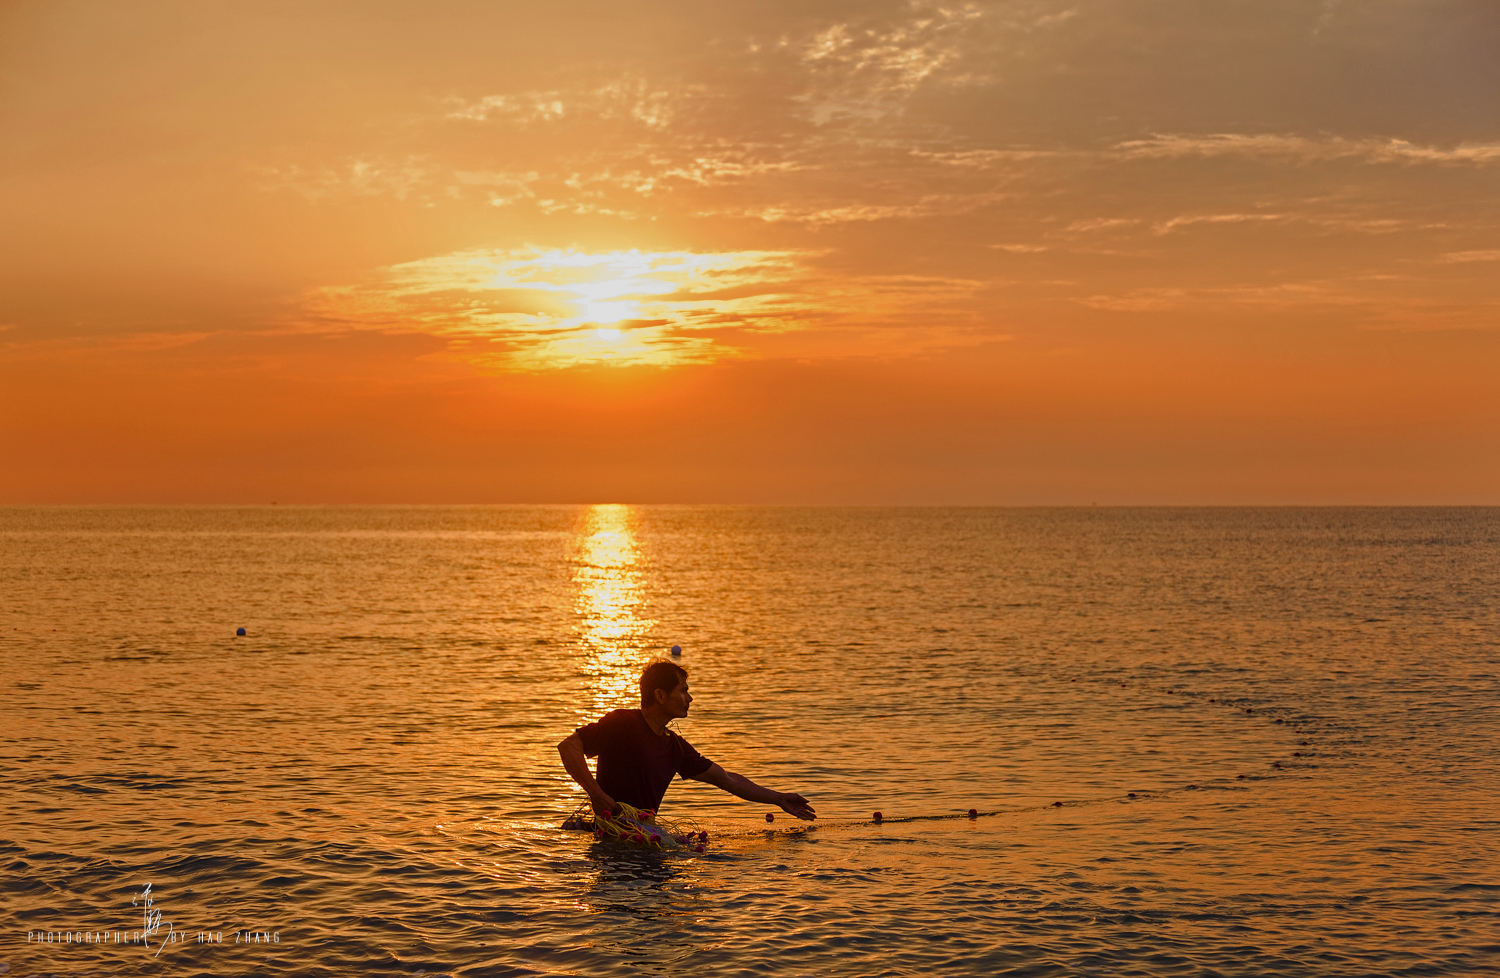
(615, 729)
(619, 718)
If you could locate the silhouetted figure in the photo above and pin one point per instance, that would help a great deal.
(638, 755)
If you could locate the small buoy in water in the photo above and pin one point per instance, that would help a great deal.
(676, 651)
(973, 813)
(1296, 753)
(770, 817)
(1171, 691)
(1212, 700)
(1302, 743)
(1279, 720)
(1239, 777)
(240, 632)
(1130, 794)
(1248, 710)
(877, 816)
(1276, 765)
(1192, 787)
(1057, 804)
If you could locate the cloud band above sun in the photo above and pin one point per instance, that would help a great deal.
(534, 309)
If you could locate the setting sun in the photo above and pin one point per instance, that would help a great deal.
(531, 310)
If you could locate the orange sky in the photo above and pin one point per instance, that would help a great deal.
(1019, 252)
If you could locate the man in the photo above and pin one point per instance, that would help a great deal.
(638, 754)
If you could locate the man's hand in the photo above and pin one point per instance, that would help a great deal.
(604, 804)
(796, 805)
(738, 784)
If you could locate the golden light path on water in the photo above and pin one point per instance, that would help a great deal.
(609, 607)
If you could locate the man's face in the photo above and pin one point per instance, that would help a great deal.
(676, 702)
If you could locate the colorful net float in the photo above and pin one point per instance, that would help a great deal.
(634, 826)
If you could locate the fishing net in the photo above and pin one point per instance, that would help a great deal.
(628, 824)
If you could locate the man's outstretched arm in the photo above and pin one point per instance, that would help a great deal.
(738, 784)
(576, 763)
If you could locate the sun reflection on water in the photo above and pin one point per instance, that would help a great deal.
(610, 606)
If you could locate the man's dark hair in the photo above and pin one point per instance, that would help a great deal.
(660, 674)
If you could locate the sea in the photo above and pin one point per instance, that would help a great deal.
(1195, 741)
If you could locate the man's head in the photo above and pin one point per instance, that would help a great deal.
(659, 682)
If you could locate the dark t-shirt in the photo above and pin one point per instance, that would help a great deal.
(635, 764)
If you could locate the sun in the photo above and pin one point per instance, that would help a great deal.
(604, 313)
(559, 308)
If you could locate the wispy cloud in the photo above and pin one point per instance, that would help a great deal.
(401, 177)
(1138, 300)
(1460, 257)
(859, 68)
(537, 309)
(1188, 220)
(1304, 149)
(120, 344)
(1358, 298)
(629, 99)
(988, 159)
(928, 205)
(809, 130)
(1092, 224)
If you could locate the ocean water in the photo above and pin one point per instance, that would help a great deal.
(1256, 742)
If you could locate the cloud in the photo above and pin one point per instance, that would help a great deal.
(1304, 149)
(859, 67)
(811, 128)
(984, 159)
(120, 345)
(863, 71)
(1392, 306)
(537, 310)
(629, 99)
(1459, 257)
(1172, 224)
(1092, 224)
(1138, 300)
(1053, 20)
(728, 167)
(1398, 150)
(405, 177)
(929, 205)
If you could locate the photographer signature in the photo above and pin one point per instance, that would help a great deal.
(154, 923)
